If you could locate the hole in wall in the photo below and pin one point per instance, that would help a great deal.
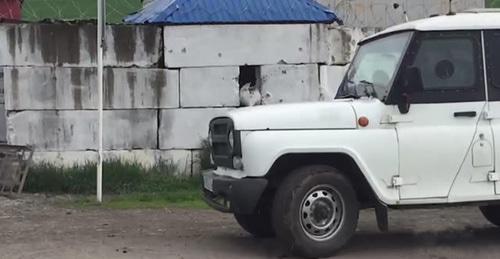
(250, 84)
(249, 74)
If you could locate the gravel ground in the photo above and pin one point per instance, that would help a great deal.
(33, 227)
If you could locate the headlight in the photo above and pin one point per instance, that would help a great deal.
(231, 139)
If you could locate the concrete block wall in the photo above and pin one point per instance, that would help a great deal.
(162, 85)
(210, 87)
(381, 13)
(40, 44)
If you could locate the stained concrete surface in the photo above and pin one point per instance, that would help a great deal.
(41, 44)
(33, 227)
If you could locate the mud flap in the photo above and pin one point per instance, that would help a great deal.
(382, 217)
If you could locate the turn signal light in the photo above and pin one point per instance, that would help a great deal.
(363, 121)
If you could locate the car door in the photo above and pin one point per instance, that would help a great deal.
(492, 43)
(437, 132)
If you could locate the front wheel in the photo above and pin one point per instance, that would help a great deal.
(491, 213)
(315, 211)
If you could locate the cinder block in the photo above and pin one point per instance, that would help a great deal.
(341, 43)
(65, 159)
(59, 88)
(381, 13)
(77, 130)
(133, 45)
(236, 45)
(44, 88)
(179, 161)
(38, 44)
(209, 87)
(130, 129)
(133, 88)
(290, 83)
(331, 77)
(176, 162)
(197, 167)
(186, 128)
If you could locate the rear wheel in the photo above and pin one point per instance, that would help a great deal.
(492, 214)
(315, 211)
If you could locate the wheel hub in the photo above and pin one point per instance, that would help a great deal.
(321, 213)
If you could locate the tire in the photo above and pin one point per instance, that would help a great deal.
(315, 211)
(258, 224)
(492, 214)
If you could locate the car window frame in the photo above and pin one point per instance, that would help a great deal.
(451, 95)
(493, 90)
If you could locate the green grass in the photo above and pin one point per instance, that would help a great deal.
(116, 10)
(118, 178)
(125, 185)
(493, 3)
(186, 199)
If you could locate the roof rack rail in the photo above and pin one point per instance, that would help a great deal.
(482, 10)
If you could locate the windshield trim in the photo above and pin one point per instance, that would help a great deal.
(381, 35)
(411, 37)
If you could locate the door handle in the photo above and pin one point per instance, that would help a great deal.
(470, 114)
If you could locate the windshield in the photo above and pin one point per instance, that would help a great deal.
(374, 67)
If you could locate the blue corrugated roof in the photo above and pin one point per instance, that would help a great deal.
(232, 12)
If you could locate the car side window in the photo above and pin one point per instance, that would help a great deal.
(450, 66)
(492, 43)
(446, 63)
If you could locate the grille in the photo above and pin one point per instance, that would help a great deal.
(222, 152)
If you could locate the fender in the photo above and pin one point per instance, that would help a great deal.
(374, 151)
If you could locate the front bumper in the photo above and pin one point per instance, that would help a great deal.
(232, 195)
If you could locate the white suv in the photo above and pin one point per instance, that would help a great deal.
(416, 122)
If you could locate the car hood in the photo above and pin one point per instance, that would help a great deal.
(320, 115)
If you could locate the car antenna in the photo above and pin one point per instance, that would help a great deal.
(450, 10)
(396, 6)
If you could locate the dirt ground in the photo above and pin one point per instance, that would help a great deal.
(33, 227)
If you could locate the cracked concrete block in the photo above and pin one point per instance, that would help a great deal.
(60, 88)
(290, 83)
(186, 128)
(237, 45)
(331, 77)
(77, 130)
(61, 44)
(209, 87)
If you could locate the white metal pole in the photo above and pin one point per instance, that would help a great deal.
(101, 23)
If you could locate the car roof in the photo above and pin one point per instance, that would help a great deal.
(469, 20)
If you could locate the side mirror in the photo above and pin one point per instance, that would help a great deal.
(411, 83)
